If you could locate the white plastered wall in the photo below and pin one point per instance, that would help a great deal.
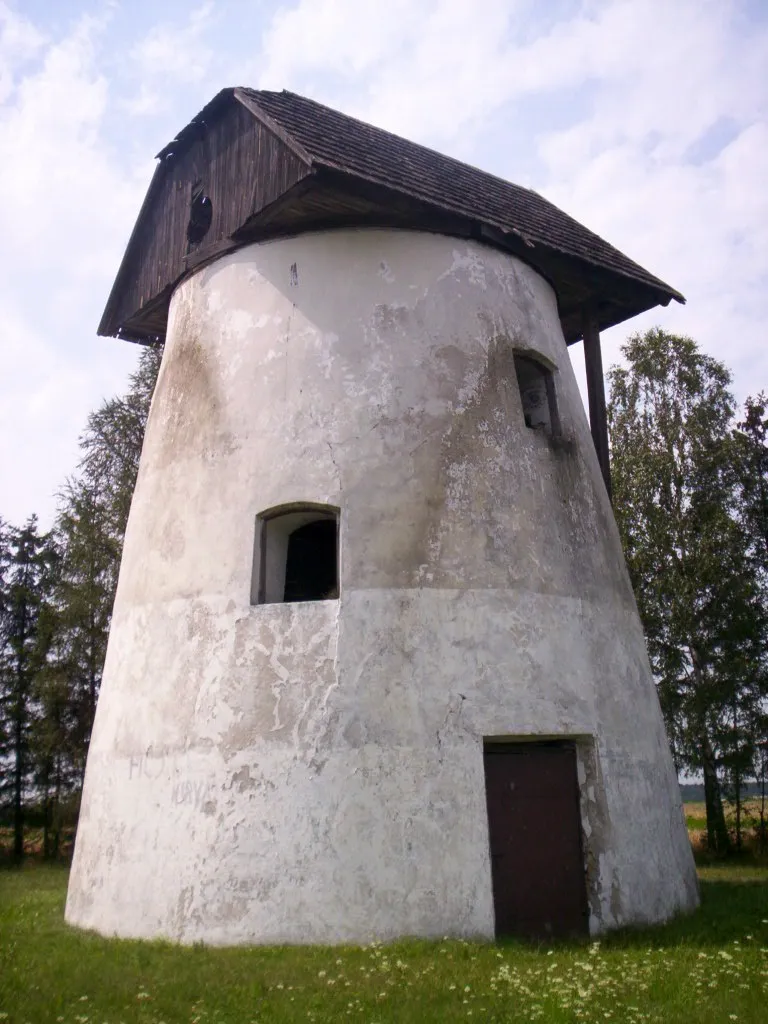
(313, 772)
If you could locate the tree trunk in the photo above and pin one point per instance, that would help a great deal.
(737, 777)
(718, 840)
(57, 806)
(763, 823)
(46, 825)
(18, 792)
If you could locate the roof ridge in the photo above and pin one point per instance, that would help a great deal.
(394, 135)
(628, 267)
(247, 98)
(281, 163)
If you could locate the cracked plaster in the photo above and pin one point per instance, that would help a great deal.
(314, 772)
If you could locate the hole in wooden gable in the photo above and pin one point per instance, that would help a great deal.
(200, 216)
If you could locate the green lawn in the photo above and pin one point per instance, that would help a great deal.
(712, 967)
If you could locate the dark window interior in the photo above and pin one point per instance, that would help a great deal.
(200, 216)
(311, 565)
(296, 554)
(537, 395)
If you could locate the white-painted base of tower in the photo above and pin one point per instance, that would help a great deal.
(313, 772)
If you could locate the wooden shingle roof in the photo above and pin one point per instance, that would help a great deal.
(275, 163)
(335, 140)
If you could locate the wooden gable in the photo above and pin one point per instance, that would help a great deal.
(241, 165)
(275, 164)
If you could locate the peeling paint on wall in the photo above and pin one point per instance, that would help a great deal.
(313, 772)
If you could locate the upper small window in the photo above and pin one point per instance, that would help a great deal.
(296, 556)
(537, 394)
(200, 215)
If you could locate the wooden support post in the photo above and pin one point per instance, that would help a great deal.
(598, 419)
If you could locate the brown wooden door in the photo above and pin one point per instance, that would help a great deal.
(535, 832)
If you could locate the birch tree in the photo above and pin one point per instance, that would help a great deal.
(677, 506)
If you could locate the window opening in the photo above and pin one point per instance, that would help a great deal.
(296, 556)
(537, 394)
(200, 216)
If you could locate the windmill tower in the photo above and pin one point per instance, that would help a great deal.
(375, 666)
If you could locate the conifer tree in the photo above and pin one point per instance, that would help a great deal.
(56, 596)
(25, 638)
(89, 529)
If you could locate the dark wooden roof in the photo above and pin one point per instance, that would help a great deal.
(274, 163)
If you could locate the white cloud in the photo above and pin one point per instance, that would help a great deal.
(423, 69)
(170, 54)
(333, 35)
(626, 171)
(654, 79)
(19, 42)
(645, 119)
(67, 206)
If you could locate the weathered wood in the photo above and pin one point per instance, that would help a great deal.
(598, 418)
(276, 164)
(241, 165)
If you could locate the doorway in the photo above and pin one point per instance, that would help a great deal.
(534, 824)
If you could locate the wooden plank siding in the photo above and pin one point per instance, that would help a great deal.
(242, 166)
(277, 164)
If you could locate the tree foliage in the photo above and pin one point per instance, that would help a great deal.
(681, 504)
(56, 597)
(26, 629)
(111, 446)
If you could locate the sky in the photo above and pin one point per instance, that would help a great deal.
(647, 120)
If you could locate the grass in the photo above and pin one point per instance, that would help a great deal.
(711, 967)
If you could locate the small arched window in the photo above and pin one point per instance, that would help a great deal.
(296, 554)
(537, 395)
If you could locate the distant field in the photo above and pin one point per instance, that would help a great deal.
(711, 968)
(693, 792)
(33, 842)
(696, 821)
